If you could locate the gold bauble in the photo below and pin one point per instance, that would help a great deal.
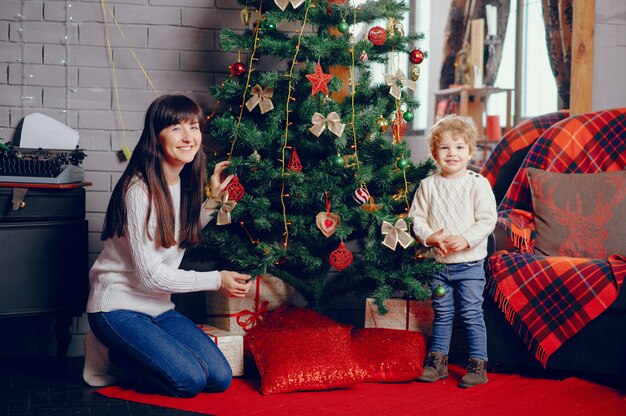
(382, 123)
(399, 28)
(245, 15)
(414, 72)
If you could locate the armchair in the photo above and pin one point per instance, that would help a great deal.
(507, 156)
(535, 312)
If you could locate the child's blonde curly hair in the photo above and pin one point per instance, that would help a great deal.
(456, 126)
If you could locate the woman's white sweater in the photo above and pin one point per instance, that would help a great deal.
(132, 273)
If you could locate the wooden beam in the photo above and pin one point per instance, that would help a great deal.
(581, 85)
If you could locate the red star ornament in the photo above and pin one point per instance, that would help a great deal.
(319, 80)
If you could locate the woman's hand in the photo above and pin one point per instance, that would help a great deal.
(217, 184)
(235, 284)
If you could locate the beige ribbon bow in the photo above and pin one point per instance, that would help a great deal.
(392, 81)
(223, 215)
(319, 124)
(262, 98)
(282, 4)
(395, 234)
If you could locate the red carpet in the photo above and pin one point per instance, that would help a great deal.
(505, 394)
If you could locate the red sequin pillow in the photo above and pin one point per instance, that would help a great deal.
(389, 355)
(289, 316)
(299, 349)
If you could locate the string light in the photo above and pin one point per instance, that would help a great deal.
(287, 124)
(252, 240)
(250, 69)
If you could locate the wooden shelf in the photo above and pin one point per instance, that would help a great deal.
(472, 102)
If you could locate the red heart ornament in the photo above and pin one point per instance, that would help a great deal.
(327, 222)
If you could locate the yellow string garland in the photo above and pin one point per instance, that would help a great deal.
(287, 124)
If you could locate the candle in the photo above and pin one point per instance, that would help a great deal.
(492, 20)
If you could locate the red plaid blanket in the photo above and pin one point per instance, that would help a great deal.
(517, 138)
(549, 299)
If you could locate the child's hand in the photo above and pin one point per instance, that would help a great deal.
(455, 243)
(437, 240)
(235, 284)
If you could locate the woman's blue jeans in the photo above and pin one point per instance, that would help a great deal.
(167, 354)
(464, 284)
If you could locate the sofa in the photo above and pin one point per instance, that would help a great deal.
(538, 310)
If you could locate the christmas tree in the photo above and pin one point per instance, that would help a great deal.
(324, 178)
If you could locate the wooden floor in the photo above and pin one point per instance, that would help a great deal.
(37, 387)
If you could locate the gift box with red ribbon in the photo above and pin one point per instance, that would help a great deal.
(411, 315)
(230, 344)
(239, 315)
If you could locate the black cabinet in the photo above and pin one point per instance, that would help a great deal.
(44, 254)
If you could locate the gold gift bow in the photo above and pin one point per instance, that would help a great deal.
(319, 124)
(262, 97)
(223, 215)
(282, 4)
(392, 81)
(395, 234)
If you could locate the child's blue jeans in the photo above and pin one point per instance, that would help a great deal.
(464, 284)
(167, 354)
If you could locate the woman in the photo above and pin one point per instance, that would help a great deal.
(154, 214)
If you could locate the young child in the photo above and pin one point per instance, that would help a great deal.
(453, 212)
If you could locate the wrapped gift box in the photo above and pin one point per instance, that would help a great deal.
(405, 314)
(230, 344)
(238, 315)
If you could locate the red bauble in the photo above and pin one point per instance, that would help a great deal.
(237, 69)
(340, 258)
(416, 56)
(377, 35)
(235, 190)
(361, 195)
(294, 162)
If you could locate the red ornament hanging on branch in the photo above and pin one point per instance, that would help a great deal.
(398, 127)
(237, 69)
(235, 190)
(294, 162)
(319, 80)
(416, 56)
(377, 35)
(340, 258)
(361, 196)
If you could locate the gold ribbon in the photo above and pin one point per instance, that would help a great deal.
(393, 81)
(333, 121)
(395, 234)
(223, 215)
(262, 98)
(282, 4)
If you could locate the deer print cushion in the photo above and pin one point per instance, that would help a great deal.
(579, 214)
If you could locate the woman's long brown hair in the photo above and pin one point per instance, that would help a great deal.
(146, 164)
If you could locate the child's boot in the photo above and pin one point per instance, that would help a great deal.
(476, 373)
(435, 367)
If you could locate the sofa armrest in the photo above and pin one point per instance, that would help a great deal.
(502, 241)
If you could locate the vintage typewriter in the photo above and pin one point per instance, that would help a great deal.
(40, 166)
(32, 160)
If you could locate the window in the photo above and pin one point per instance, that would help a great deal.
(539, 93)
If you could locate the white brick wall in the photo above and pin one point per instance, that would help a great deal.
(54, 60)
